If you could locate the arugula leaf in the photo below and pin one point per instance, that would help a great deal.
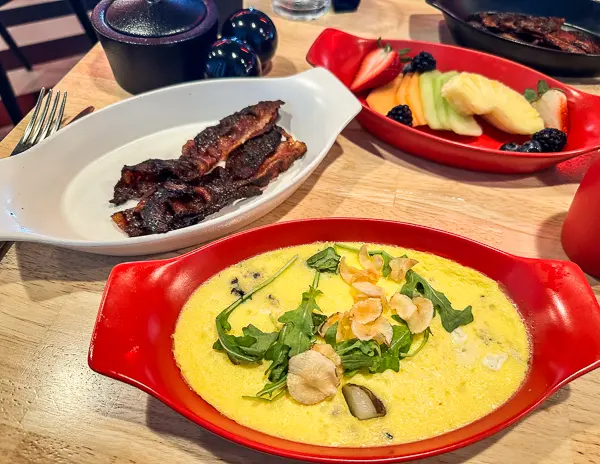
(296, 335)
(326, 260)
(356, 354)
(260, 341)
(384, 254)
(356, 360)
(451, 318)
(268, 400)
(368, 347)
(297, 340)
(300, 323)
(273, 387)
(398, 319)
(230, 343)
(331, 335)
(386, 262)
(390, 357)
(279, 354)
(426, 335)
(317, 320)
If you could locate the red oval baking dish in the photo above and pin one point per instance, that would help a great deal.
(132, 341)
(342, 54)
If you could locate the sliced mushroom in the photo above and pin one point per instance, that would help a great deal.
(366, 290)
(403, 305)
(344, 329)
(379, 330)
(386, 332)
(328, 351)
(327, 323)
(362, 402)
(311, 377)
(422, 317)
(371, 263)
(367, 310)
(351, 274)
(400, 267)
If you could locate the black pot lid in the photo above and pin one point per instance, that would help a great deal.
(154, 18)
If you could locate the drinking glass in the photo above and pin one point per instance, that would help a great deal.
(302, 10)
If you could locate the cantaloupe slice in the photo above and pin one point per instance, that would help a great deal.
(413, 97)
(403, 90)
(383, 99)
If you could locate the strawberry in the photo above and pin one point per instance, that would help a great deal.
(378, 68)
(553, 108)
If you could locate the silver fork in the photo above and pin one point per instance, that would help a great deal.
(44, 124)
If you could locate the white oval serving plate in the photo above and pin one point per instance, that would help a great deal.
(58, 192)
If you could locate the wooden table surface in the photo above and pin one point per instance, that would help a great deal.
(53, 408)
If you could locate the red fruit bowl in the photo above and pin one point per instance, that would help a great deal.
(132, 340)
(342, 54)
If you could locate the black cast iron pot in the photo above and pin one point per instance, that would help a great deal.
(156, 43)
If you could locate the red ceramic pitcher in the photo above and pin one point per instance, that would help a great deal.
(581, 230)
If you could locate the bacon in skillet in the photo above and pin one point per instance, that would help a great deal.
(199, 155)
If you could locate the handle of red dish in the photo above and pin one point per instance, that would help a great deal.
(125, 340)
(575, 343)
(339, 52)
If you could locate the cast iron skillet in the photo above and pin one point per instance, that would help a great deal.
(580, 15)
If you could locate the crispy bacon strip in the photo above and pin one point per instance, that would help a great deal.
(287, 152)
(176, 204)
(199, 155)
(245, 161)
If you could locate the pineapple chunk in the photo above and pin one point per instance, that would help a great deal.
(500, 105)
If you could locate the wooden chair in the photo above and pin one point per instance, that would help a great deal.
(7, 92)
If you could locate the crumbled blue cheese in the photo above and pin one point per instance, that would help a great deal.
(459, 336)
(494, 361)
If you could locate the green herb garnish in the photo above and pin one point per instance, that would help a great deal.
(237, 347)
(296, 336)
(390, 356)
(451, 318)
(384, 254)
(326, 260)
(331, 335)
(531, 95)
(301, 327)
(426, 335)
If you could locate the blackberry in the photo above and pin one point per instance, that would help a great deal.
(531, 146)
(401, 114)
(510, 146)
(551, 140)
(421, 63)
